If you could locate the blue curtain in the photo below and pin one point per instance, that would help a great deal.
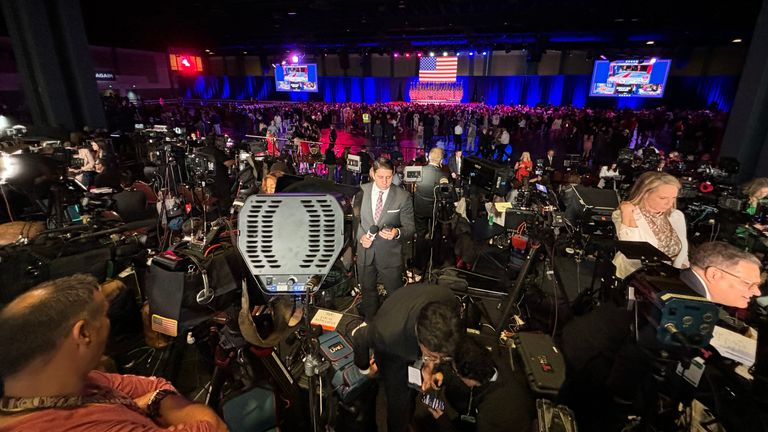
(682, 92)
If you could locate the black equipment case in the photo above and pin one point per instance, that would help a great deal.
(543, 363)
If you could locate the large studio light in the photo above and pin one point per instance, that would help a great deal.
(9, 168)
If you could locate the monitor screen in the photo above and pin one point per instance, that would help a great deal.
(541, 188)
(630, 78)
(296, 78)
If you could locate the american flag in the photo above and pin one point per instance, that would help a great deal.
(438, 69)
(164, 325)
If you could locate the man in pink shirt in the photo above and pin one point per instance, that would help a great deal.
(51, 338)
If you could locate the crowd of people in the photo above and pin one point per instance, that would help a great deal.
(405, 329)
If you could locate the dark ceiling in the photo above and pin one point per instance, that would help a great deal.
(233, 26)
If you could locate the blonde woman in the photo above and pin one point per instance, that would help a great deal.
(523, 167)
(650, 216)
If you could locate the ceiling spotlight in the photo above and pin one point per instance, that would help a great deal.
(207, 50)
(650, 43)
(291, 13)
(407, 54)
(283, 62)
(737, 40)
(245, 52)
(294, 59)
(431, 53)
(471, 53)
(396, 55)
(445, 53)
(485, 52)
(458, 53)
(603, 57)
(653, 60)
(418, 54)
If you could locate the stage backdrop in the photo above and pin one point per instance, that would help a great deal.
(682, 91)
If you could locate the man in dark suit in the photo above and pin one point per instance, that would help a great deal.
(424, 195)
(551, 165)
(424, 204)
(380, 256)
(454, 165)
(417, 321)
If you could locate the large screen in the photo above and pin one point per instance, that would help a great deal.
(630, 78)
(296, 78)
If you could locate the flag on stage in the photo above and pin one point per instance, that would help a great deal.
(438, 69)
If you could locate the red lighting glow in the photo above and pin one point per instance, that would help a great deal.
(407, 54)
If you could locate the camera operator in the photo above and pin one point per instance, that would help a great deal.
(220, 179)
(424, 204)
(607, 369)
(53, 337)
(482, 390)
(649, 215)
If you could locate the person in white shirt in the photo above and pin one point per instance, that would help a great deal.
(608, 175)
(458, 131)
(649, 215)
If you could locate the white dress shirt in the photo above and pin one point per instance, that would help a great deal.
(375, 197)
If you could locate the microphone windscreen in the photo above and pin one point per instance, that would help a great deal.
(373, 229)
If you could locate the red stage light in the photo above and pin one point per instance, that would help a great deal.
(407, 54)
(418, 54)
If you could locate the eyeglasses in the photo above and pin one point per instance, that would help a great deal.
(748, 284)
(435, 359)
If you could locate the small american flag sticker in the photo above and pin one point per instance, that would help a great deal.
(165, 326)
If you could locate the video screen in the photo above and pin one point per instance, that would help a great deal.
(630, 78)
(296, 78)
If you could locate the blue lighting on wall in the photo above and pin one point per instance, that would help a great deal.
(682, 91)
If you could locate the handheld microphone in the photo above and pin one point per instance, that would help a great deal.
(372, 231)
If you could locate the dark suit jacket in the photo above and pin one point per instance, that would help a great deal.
(393, 329)
(453, 166)
(693, 282)
(555, 165)
(397, 212)
(424, 196)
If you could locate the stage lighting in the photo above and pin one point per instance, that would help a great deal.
(418, 54)
(602, 57)
(653, 60)
(737, 40)
(284, 63)
(471, 53)
(294, 59)
(650, 43)
(431, 54)
(407, 54)
(396, 55)
(485, 52)
(8, 168)
(445, 53)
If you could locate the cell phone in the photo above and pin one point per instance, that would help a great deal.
(433, 402)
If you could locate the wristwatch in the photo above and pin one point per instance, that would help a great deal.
(153, 407)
